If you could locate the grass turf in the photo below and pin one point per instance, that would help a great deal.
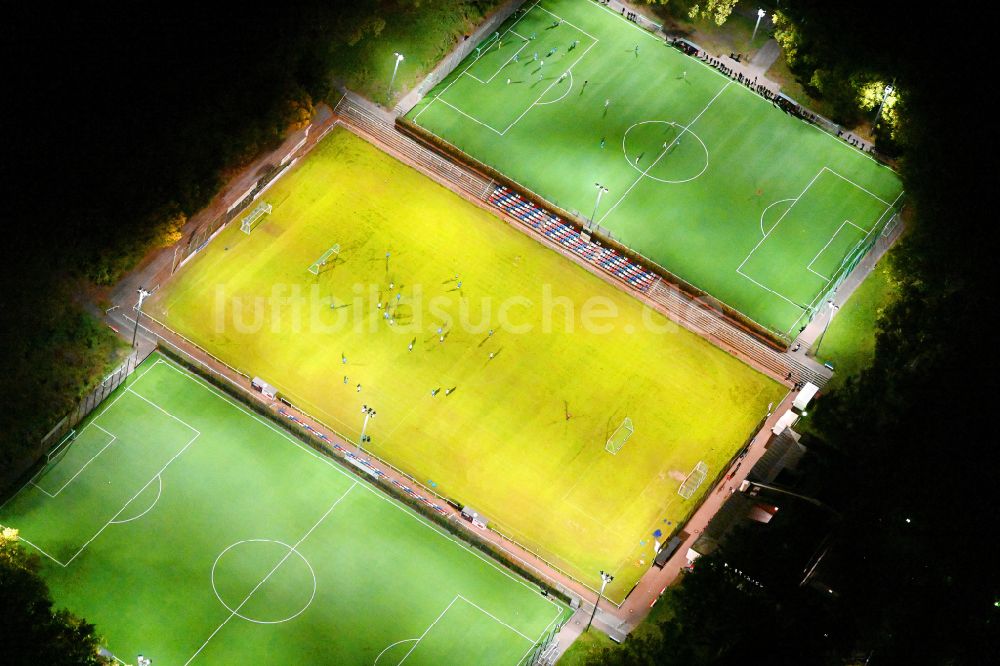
(193, 531)
(522, 437)
(705, 177)
(849, 341)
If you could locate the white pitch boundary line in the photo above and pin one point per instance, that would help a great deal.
(474, 61)
(496, 619)
(562, 20)
(271, 573)
(94, 457)
(868, 192)
(429, 627)
(179, 420)
(662, 153)
(375, 492)
(470, 117)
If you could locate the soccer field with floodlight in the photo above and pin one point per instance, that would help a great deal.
(193, 531)
(501, 374)
(704, 176)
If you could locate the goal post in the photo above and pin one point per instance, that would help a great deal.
(619, 437)
(324, 259)
(255, 216)
(693, 480)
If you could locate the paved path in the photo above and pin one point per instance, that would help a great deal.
(765, 56)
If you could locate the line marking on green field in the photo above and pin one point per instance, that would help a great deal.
(739, 269)
(374, 491)
(832, 237)
(440, 96)
(822, 291)
(390, 646)
(162, 469)
(234, 612)
(159, 492)
(474, 61)
(472, 118)
(94, 457)
(767, 208)
(93, 421)
(673, 143)
(524, 42)
(179, 420)
(496, 619)
(291, 549)
(562, 20)
(419, 638)
(545, 92)
(868, 192)
(875, 226)
(563, 96)
(662, 153)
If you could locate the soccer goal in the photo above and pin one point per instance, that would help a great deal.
(619, 437)
(317, 265)
(59, 449)
(255, 216)
(693, 480)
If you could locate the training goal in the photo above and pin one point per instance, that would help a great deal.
(318, 265)
(693, 480)
(255, 216)
(619, 437)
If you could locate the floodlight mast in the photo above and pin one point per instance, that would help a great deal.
(760, 15)
(885, 95)
(369, 413)
(138, 312)
(395, 68)
(601, 190)
(605, 579)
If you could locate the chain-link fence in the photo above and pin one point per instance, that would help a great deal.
(92, 400)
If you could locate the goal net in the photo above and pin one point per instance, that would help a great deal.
(255, 216)
(57, 451)
(324, 259)
(693, 480)
(619, 437)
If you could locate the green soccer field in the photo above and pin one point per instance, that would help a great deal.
(520, 419)
(704, 176)
(192, 531)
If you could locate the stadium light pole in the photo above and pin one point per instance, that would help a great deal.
(369, 413)
(138, 312)
(395, 68)
(885, 96)
(601, 190)
(760, 15)
(826, 326)
(605, 579)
